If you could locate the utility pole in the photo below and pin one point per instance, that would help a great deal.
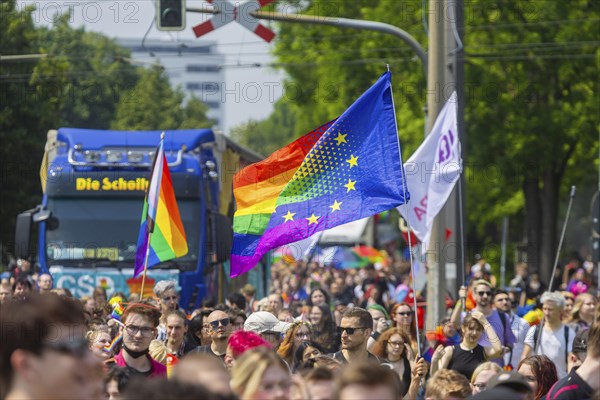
(436, 76)
(445, 259)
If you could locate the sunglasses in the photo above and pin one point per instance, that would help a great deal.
(396, 344)
(405, 313)
(77, 348)
(484, 293)
(349, 331)
(221, 322)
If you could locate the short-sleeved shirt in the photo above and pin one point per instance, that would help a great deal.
(519, 327)
(506, 336)
(571, 387)
(552, 345)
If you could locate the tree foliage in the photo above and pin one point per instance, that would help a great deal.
(153, 104)
(531, 99)
(81, 83)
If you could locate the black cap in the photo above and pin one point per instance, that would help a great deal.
(581, 340)
(510, 379)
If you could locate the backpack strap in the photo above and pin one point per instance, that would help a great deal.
(536, 337)
(566, 344)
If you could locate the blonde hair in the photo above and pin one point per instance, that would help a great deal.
(448, 383)
(93, 331)
(486, 366)
(248, 371)
(578, 303)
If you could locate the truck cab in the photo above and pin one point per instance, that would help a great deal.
(94, 182)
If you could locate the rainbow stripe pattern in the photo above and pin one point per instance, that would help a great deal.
(161, 235)
(345, 170)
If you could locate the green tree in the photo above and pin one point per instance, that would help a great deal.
(538, 125)
(270, 134)
(21, 121)
(531, 99)
(153, 104)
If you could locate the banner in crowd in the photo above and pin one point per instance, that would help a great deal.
(432, 171)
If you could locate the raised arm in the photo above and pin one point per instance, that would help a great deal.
(441, 358)
(455, 318)
(495, 350)
(418, 372)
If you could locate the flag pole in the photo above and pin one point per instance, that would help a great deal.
(461, 229)
(412, 269)
(145, 266)
(150, 221)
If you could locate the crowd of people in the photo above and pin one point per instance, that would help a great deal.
(320, 333)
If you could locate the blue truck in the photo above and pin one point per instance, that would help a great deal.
(84, 232)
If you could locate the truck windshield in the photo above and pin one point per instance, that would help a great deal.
(93, 229)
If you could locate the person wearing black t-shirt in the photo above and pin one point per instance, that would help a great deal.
(468, 354)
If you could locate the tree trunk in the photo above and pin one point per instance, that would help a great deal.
(531, 189)
(549, 223)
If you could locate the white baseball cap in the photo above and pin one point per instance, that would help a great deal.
(263, 321)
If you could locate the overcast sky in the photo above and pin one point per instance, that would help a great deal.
(132, 19)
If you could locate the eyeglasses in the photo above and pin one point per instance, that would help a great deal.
(349, 331)
(484, 293)
(133, 330)
(405, 313)
(77, 347)
(480, 386)
(222, 322)
(396, 344)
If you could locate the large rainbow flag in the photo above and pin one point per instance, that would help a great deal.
(161, 228)
(345, 170)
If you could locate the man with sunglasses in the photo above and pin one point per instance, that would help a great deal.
(43, 353)
(219, 330)
(355, 329)
(139, 322)
(484, 295)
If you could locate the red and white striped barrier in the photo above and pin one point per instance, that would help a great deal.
(229, 11)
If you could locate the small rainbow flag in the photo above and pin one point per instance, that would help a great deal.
(161, 228)
(117, 311)
(112, 344)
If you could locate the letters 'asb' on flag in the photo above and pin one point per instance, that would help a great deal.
(345, 170)
(161, 227)
(432, 171)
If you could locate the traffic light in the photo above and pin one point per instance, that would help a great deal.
(170, 15)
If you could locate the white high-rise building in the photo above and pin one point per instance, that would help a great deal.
(196, 68)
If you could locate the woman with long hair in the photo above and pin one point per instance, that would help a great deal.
(540, 373)
(468, 354)
(403, 317)
(306, 351)
(295, 335)
(317, 297)
(323, 328)
(393, 345)
(260, 374)
(582, 314)
(197, 334)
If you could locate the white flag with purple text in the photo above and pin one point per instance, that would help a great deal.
(432, 171)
